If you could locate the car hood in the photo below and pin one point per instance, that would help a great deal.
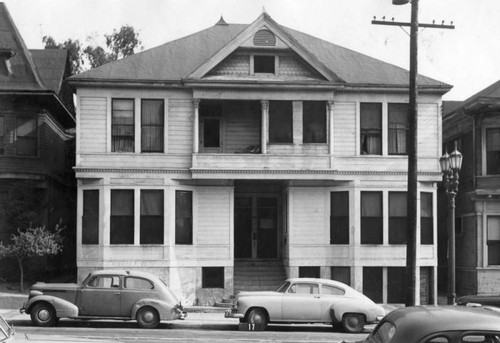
(54, 286)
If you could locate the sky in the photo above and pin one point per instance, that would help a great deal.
(465, 57)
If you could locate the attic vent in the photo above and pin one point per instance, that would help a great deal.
(264, 37)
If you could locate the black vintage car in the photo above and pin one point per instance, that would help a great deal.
(484, 300)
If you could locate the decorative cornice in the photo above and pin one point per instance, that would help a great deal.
(131, 170)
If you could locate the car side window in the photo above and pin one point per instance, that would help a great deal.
(438, 339)
(304, 288)
(331, 290)
(104, 282)
(486, 338)
(137, 283)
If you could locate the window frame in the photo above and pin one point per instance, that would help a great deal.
(486, 159)
(30, 138)
(189, 237)
(128, 137)
(142, 225)
(365, 133)
(259, 60)
(430, 219)
(279, 122)
(129, 218)
(494, 243)
(161, 149)
(342, 224)
(94, 239)
(316, 112)
(380, 240)
(397, 224)
(398, 130)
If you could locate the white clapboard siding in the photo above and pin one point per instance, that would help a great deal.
(180, 126)
(92, 131)
(214, 219)
(344, 128)
(309, 211)
(428, 126)
(242, 130)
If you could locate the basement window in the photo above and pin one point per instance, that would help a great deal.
(263, 64)
(212, 277)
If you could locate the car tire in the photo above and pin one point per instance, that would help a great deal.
(353, 322)
(258, 317)
(43, 314)
(147, 317)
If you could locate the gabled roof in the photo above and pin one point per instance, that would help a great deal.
(51, 65)
(191, 57)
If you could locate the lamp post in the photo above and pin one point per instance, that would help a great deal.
(450, 166)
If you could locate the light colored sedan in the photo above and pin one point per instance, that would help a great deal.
(307, 300)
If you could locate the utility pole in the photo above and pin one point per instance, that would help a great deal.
(412, 192)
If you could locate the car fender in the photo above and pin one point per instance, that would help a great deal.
(64, 308)
(339, 308)
(165, 310)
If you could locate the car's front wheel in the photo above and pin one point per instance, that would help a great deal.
(258, 319)
(43, 314)
(353, 322)
(147, 317)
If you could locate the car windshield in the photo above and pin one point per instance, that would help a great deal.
(283, 287)
(383, 333)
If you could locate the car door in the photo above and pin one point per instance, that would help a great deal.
(301, 303)
(100, 296)
(329, 295)
(135, 289)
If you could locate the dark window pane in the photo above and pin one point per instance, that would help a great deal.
(426, 219)
(396, 287)
(339, 220)
(371, 218)
(397, 217)
(280, 122)
(371, 128)
(122, 217)
(122, 125)
(152, 125)
(151, 217)
(212, 277)
(372, 283)
(263, 64)
(211, 133)
(309, 272)
(493, 240)
(2, 134)
(90, 217)
(183, 217)
(314, 122)
(493, 151)
(398, 129)
(26, 137)
(342, 274)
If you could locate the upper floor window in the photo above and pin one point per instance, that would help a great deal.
(371, 128)
(2, 134)
(264, 64)
(26, 137)
(493, 240)
(371, 218)
(314, 122)
(280, 122)
(122, 125)
(493, 151)
(152, 125)
(398, 129)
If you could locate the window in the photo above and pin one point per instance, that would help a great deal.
(371, 128)
(122, 217)
(183, 217)
(493, 241)
(331, 290)
(2, 135)
(493, 151)
(122, 125)
(339, 218)
(309, 272)
(137, 283)
(152, 125)
(26, 137)
(304, 288)
(342, 274)
(396, 288)
(397, 217)
(314, 122)
(263, 64)
(398, 129)
(90, 217)
(372, 283)
(212, 277)
(151, 217)
(426, 219)
(105, 282)
(371, 218)
(211, 132)
(280, 122)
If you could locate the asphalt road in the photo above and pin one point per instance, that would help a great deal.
(179, 331)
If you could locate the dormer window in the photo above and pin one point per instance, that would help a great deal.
(264, 64)
(5, 66)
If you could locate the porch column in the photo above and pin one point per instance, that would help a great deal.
(263, 131)
(329, 105)
(196, 125)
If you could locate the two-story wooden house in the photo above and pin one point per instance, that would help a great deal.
(241, 154)
(475, 125)
(36, 113)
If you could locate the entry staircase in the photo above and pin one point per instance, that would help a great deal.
(262, 275)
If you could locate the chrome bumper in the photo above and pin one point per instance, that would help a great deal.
(233, 314)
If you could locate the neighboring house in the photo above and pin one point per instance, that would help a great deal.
(36, 112)
(475, 125)
(241, 154)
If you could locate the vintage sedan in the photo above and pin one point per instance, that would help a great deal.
(447, 324)
(105, 294)
(306, 300)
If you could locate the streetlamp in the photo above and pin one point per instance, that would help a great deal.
(450, 166)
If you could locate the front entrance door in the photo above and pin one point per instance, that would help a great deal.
(256, 227)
